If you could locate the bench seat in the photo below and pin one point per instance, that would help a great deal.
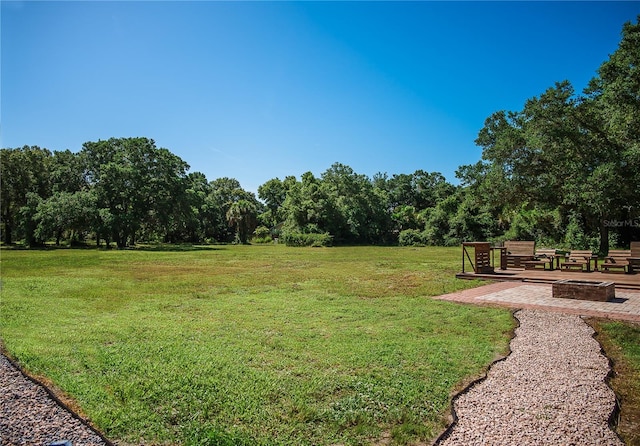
(617, 260)
(518, 252)
(577, 260)
(543, 257)
(531, 264)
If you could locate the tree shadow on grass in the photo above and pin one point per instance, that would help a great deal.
(158, 247)
(181, 247)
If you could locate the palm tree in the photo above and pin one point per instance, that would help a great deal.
(242, 215)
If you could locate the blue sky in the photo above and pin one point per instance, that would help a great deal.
(258, 90)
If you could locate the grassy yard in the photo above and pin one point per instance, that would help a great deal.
(621, 343)
(250, 344)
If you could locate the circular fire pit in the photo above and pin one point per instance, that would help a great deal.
(584, 290)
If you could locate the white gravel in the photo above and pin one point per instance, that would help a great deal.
(550, 390)
(28, 416)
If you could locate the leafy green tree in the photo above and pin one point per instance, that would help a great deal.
(484, 206)
(136, 184)
(67, 172)
(11, 187)
(347, 194)
(307, 207)
(438, 226)
(197, 190)
(611, 112)
(274, 193)
(75, 213)
(406, 217)
(400, 190)
(616, 93)
(575, 157)
(357, 209)
(409, 195)
(28, 223)
(169, 206)
(420, 189)
(23, 171)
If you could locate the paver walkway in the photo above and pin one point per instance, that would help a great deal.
(625, 306)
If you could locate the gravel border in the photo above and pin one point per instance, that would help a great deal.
(551, 390)
(30, 414)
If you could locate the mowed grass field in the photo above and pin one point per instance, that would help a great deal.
(250, 345)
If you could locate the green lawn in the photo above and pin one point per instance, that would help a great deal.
(621, 343)
(250, 344)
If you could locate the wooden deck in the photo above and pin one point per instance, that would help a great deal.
(622, 281)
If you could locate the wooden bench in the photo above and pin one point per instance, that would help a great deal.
(577, 260)
(543, 257)
(518, 252)
(617, 259)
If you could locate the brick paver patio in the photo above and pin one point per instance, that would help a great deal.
(625, 306)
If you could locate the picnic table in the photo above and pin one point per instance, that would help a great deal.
(578, 259)
(544, 257)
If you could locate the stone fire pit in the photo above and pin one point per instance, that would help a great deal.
(584, 290)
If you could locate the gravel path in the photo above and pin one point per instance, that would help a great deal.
(28, 416)
(550, 390)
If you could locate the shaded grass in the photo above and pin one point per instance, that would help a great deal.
(621, 343)
(250, 344)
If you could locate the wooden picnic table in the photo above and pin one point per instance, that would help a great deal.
(588, 259)
(544, 256)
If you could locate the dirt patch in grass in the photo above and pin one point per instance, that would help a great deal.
(621, 343)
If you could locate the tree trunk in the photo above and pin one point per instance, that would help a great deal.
(7, 234)
(604, 237)
(120, 240)
(29, 238)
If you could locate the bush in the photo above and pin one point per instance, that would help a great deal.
(576, 237)
(262, 234)
(301, 239)
(262, 240)
(412, 237)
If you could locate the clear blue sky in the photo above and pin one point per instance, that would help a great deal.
(258, 90)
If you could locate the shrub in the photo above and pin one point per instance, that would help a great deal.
(262, 234)
(302, 239)
(262, 240)
(412, 237)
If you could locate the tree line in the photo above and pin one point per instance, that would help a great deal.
(564, 171)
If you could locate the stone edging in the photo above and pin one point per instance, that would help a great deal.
(614, 417)
(53, 396)
(453, 415)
